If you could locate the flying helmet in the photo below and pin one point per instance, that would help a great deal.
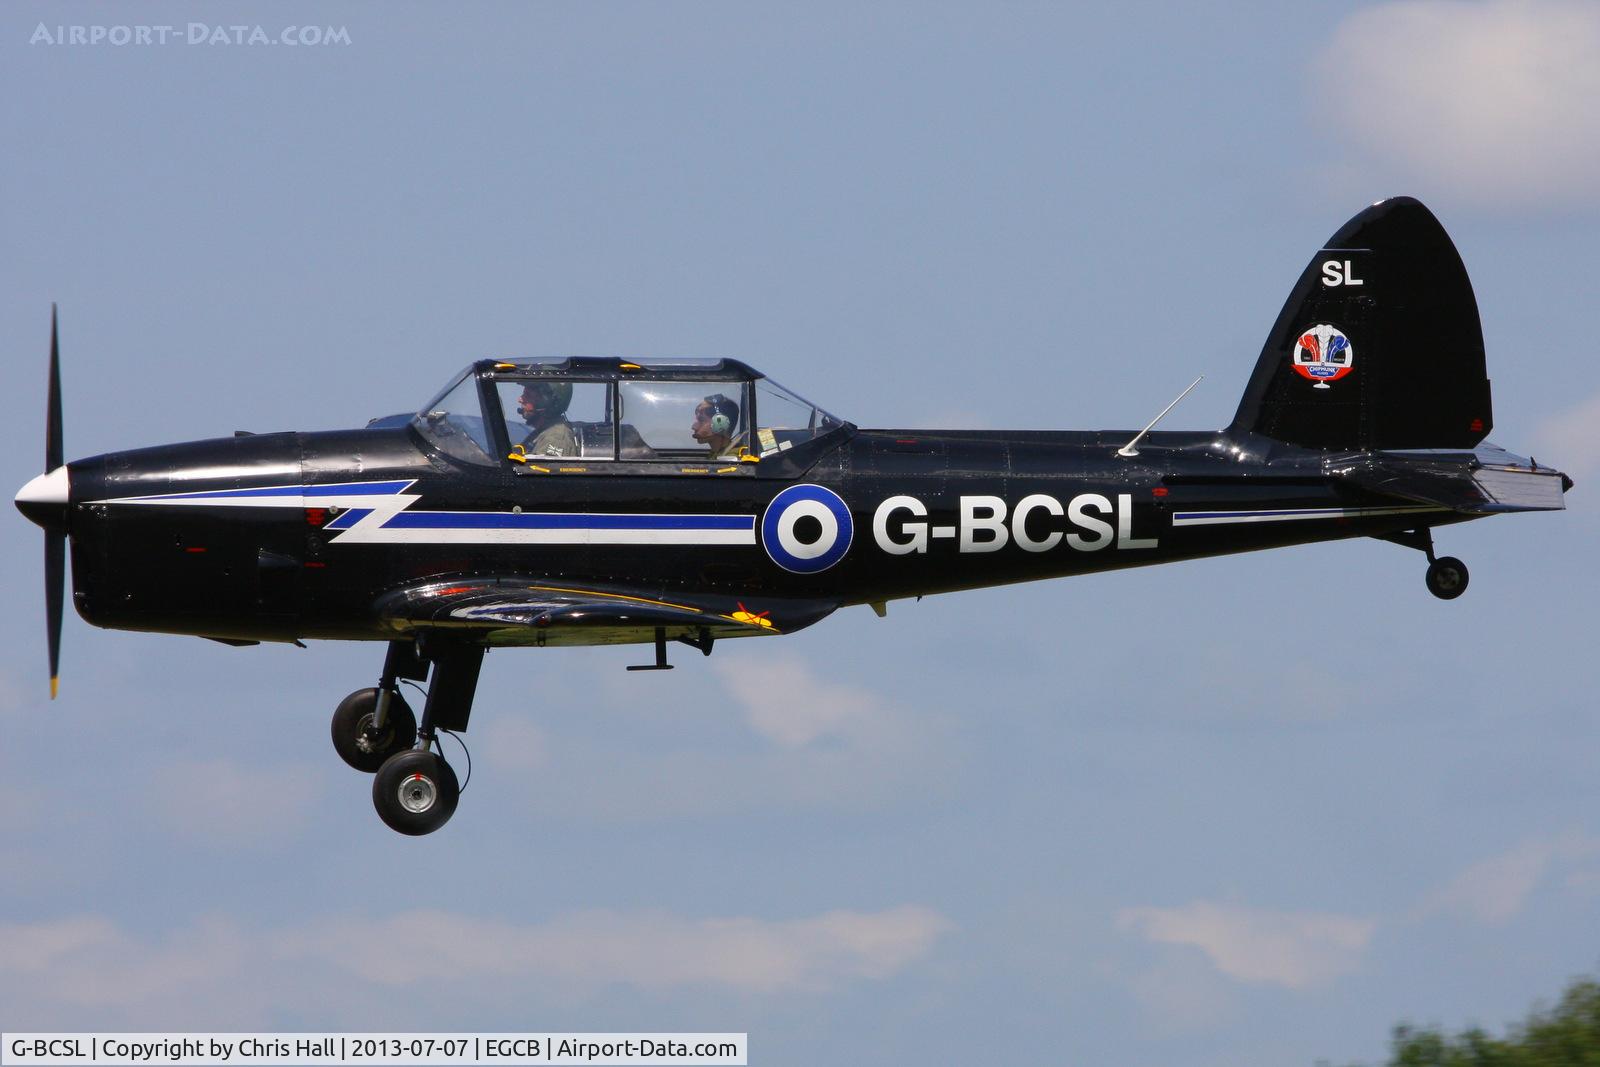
(549, 398)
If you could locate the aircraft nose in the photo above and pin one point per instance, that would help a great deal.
(44, 500)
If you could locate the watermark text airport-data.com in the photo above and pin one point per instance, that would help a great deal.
(192, 33)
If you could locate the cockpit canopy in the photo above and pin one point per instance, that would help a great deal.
(613, 410)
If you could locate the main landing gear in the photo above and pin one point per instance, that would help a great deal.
(1447, 576)
(414, 789)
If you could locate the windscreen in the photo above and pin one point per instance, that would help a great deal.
(453, 422)
(784, 419)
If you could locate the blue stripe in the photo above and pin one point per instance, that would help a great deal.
(348, 519)
(495, 520)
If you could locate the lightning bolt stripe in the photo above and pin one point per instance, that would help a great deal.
(378, 514)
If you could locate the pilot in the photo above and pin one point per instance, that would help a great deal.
(714, 420)
(543, 406)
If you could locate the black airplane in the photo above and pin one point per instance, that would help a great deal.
(589, 501)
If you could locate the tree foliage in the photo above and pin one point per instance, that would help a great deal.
(1567, 1035)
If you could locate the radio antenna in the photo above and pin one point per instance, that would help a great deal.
(1128, 450)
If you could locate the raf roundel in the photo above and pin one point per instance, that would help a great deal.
(1323, 354)
(807, 529)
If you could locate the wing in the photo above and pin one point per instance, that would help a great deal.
(514, 611)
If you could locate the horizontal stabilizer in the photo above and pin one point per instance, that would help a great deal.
(1482, 482)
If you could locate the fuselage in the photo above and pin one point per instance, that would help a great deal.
(298, 535)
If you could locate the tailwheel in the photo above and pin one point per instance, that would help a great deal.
(415, 792)
(358, 739)
(1447, 578)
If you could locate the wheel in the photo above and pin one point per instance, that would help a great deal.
(415, 792)
(352, 723)
(1447, 578)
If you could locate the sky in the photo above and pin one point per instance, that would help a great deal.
(1247, 811)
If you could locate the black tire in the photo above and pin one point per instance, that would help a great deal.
(350, 721)
(1447, 578)
(415, 792)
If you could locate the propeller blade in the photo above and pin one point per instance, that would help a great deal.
(55, 577)
(52, 427)
(55, 542)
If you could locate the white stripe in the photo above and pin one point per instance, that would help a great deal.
(203, 498)
(1227, 518)
(368, 532)
(351, 501)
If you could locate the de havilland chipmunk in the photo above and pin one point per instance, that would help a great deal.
(586, 501)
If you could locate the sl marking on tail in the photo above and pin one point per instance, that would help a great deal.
(1337, 272)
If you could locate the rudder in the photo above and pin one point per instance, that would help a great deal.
(1379, 345)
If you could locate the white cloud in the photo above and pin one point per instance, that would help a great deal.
(1182, 995)
(13, 697)
(38, 947)
(515, 744)
(25, 807)
(784, 702)
(226, 802)
(1572, 439)
(88, 962)
(1296, 949)
(69, 971)
(761, 733)
(1497, 889)
(1489, 99)
(649, 949)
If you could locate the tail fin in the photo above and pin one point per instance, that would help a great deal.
(1378, 346)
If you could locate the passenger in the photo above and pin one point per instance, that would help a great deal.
(543, 406)
(714, 420)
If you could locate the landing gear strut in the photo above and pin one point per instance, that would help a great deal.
(414, 789)
(370, 725)
(1447, 576)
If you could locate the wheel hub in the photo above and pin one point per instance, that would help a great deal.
(370, 740)
(418, 794)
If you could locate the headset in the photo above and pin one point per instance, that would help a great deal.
(724, 413)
